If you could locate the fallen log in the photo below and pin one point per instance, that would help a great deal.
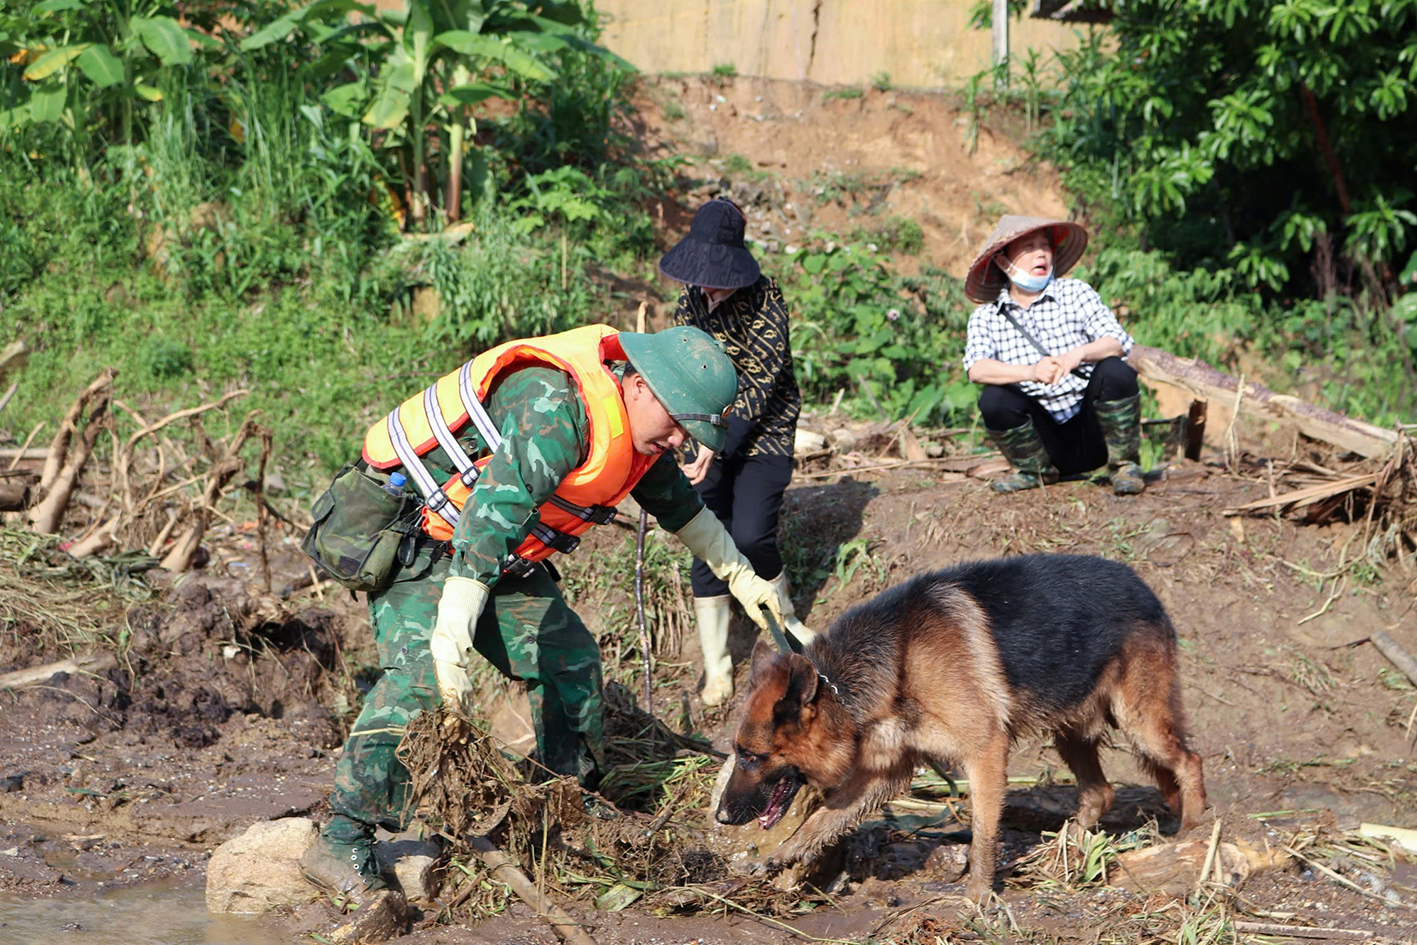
(20, 455)
(68, 428)
(1204, 381)
(95, 663)
(12, 357)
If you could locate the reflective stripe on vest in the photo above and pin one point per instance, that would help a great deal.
(608, 474)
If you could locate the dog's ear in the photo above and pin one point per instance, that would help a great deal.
(801, 682)
(762, 655)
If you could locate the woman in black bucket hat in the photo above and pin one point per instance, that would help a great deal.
(726, 295)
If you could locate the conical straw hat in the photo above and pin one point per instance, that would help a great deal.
(985, 279)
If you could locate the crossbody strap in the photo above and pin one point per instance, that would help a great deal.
(1028, 336)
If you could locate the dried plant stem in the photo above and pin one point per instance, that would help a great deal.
(124, 461)
(20, 453)
(504, 870)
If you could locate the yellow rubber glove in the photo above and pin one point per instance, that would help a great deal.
(451, 642)
(706, 537)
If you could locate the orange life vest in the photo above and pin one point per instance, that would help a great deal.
(433, 418)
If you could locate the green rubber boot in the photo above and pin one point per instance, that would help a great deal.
(1121, 429)
(1023, 447)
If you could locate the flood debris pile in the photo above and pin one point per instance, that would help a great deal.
(1379, 494)
(642, 837)
(65, 603)
(169, 656)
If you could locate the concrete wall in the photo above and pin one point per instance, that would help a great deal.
(920, 43)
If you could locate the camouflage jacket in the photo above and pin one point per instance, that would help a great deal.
(545, 435)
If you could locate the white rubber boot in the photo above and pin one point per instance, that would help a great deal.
(797, 628)
(712, 615)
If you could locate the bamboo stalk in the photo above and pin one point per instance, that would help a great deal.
(504, 870)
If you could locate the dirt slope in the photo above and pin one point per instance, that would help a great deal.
(838, 165)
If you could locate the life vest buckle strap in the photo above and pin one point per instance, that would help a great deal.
(555, 540)
(518, 567)
(468, 476)
(436, 500)
(600, 514)
(595, 514)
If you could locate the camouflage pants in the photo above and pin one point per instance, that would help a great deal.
(527, 631)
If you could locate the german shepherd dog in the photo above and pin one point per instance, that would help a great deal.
(952, 667)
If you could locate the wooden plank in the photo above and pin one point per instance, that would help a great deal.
(1204, 381)
(1307, 494)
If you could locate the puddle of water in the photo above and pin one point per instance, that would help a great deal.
(148, 915)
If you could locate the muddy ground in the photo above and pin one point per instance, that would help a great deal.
(227, 707)
(227, 704)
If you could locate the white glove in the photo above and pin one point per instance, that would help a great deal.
(706, 537)
(451, 642)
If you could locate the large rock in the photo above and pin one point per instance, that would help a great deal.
(411, 866)
(260, 869)
(378, 920)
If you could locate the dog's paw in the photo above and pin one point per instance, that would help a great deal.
(781, 860)
(748, 868)
(790, 878)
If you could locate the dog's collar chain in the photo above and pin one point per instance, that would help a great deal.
(823, 677)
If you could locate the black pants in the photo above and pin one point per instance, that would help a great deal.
(745, 492)
(1076, 445)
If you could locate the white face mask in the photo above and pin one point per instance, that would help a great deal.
(1026, 281)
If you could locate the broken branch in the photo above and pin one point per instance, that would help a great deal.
(59, 446)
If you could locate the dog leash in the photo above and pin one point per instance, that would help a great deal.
(786, 643)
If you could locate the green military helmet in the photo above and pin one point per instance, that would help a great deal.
(690, 374)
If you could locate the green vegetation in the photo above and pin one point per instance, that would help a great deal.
(1247, 174)
(271, 203)
(881, 82)
(725, 70)
(895, 235)
(247, 205)
(849, 92)
(737, 164)
(861, 327)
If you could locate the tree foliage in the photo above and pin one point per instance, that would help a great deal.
(1252, 135)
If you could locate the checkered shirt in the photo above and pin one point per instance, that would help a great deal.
(1068, 313)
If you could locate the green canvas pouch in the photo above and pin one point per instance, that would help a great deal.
(357, 530)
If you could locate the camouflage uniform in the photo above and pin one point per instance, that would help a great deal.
(526, 630)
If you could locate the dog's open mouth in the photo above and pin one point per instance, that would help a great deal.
(782, 794)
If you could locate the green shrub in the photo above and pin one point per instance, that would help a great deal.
(164, 359)
(857, 324)
(896, 234)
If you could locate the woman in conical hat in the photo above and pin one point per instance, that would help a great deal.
(1058, 396)
(726, 295)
